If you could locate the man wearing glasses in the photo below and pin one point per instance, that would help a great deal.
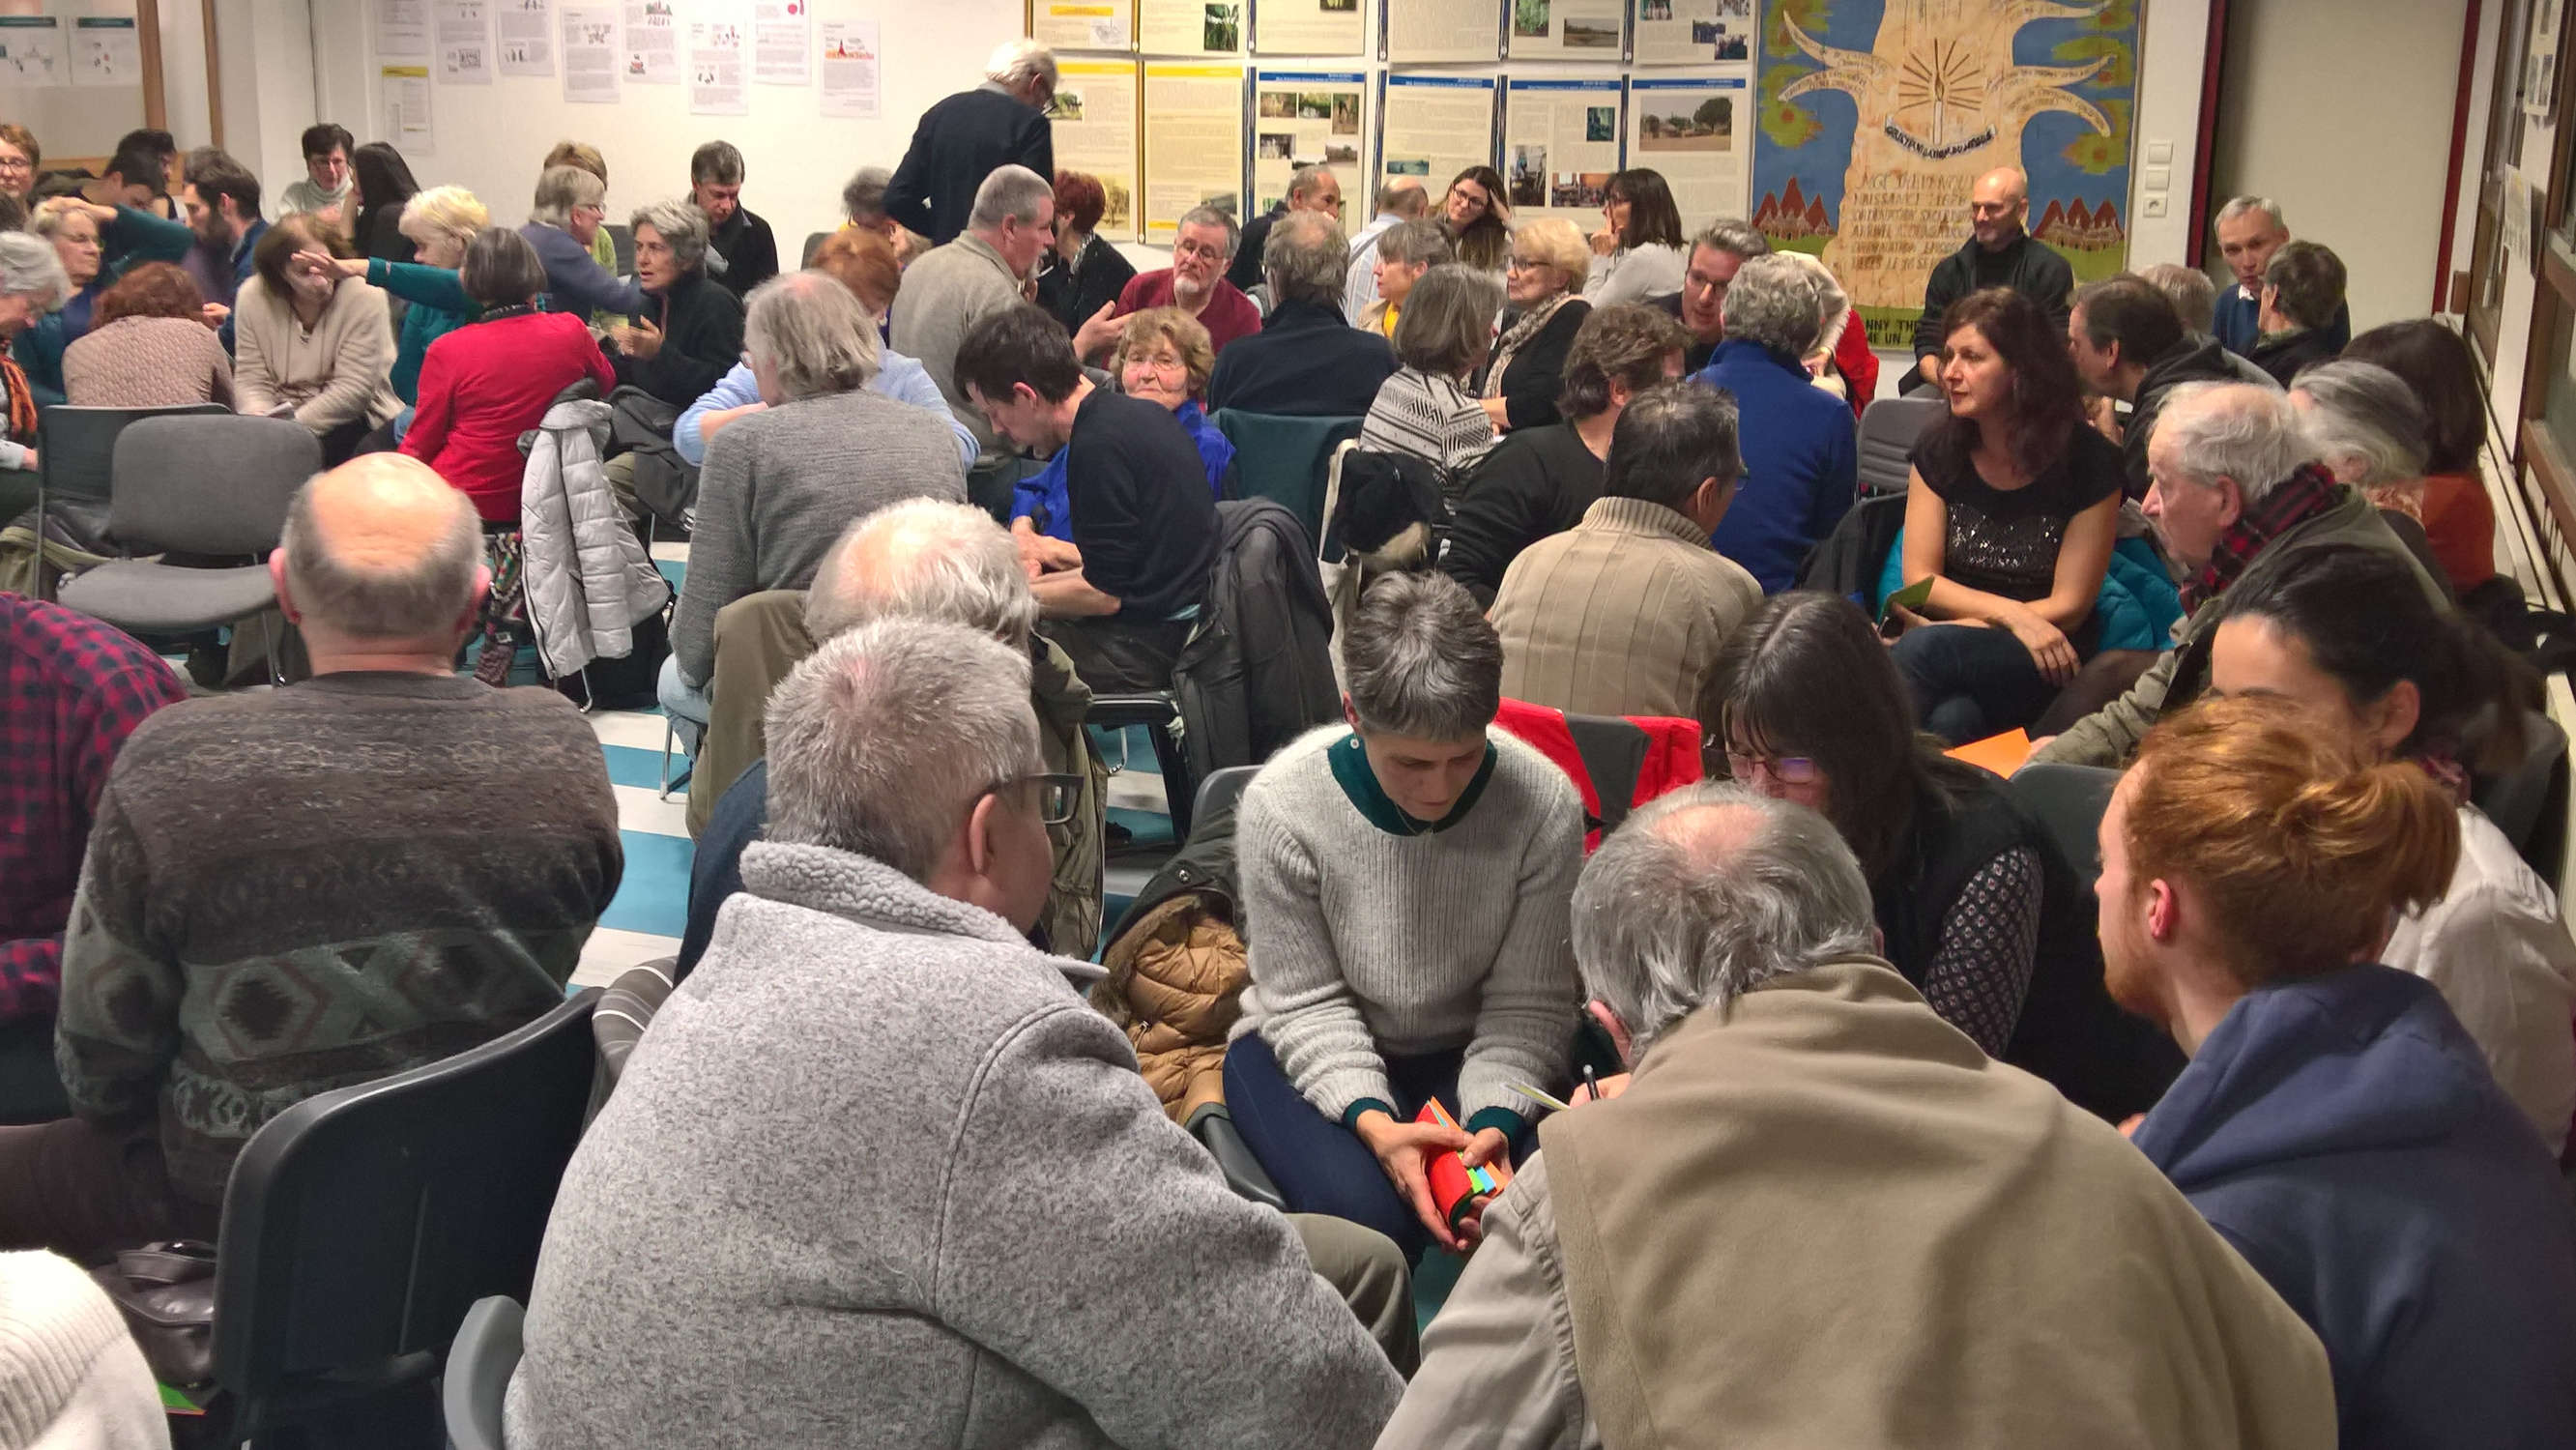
(1194, 283)
(1312, 188)
(1997, 254)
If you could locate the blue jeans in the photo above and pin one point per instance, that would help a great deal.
(687, 706)
(1969, 682)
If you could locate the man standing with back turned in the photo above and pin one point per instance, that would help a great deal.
(965, 138)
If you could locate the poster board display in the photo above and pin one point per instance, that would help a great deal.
(1083, 24)
(1190, 27)
(1560, 144)
(1440, 32)
(1691, 32)
(1309, 118)
(1696, 130)
(1567, 30)
(1434, 126)
(1094, 120)
(1195, 125)
(1308, 27)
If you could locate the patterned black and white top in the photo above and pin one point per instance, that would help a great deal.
(1432, 418)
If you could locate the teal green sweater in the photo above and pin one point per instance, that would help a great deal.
(439, 306)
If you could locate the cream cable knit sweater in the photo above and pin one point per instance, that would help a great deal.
(71, 1378)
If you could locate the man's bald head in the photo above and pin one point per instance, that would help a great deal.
(923, 559)
(1997, 205)
(381, 548)
(1404, 196)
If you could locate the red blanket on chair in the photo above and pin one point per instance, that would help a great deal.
(1633, 759)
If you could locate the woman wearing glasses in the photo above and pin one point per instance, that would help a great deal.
(1544, 282)
(1163, 357)
(1477, 219)
(563, 221)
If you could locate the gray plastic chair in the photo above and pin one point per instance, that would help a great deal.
(621, 240)
(2529, 803)
(1888, 428)
(1222, 788)
(479, 1366)
(215, 486)
(2070, 800)
(813, 243)
(78, 449)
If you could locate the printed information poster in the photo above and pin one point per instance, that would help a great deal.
(1431, 32)
(1685, 127)
(716, 86)
(1190, 27)
(1193, 143)
(782, 43)
(406, 108)
(1307, 27)
(31, 50)
(1560, 144)
(852, 64)
(464, 34)
(1309, 118)
(1433, 127)
(402, 27)
(1692, 32)
(527, 37)
(652, 43)
(1094, 119)
(590, 55)
(106, 51)
(1567, 29)
(1084, 24)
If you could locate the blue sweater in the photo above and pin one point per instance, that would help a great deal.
(1801, 464)
(2344, 1134)
(1044, 489)
(574, 281)
(2236, 321)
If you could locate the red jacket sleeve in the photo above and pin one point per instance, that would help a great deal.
(436, 409)
(1858, 364)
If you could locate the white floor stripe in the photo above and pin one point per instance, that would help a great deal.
(1134, 790)
(636, 729)
(671, 552)
(639, 809)
(610, 952)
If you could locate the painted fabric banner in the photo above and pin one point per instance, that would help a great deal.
(1878, 116)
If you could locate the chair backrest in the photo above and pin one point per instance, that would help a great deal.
(2529, 802)
(621, 239)
(216, 485)
(1222, 788)
(77, 446)
(813, 243)
(360, 1224)
(1888, 428)
(487, 1349)
(2069, 800)
(1286, 460)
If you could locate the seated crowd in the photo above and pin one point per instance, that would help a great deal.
(1831, 1096)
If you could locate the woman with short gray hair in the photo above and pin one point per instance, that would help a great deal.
(32, 284)
(1403, 254)
(1406, 880)
(1424, 408)
(689, 331)
(563, 222)
(2369, 429)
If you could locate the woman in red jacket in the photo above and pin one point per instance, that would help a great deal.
(485, 383)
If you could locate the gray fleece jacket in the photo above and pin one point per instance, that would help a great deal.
(878, 1176)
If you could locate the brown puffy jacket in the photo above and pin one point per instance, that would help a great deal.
(1175, 984)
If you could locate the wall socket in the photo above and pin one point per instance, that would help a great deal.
(2152, 205)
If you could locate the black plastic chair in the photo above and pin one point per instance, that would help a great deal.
(361, 1224)
(77, 450)
(479, 1366)
(1221, 789)
(1214, 1127)
(1161, 712)
(2529, 803)
(2070, 800)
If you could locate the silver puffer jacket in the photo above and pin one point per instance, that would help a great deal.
(588, 579)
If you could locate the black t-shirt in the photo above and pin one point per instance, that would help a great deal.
(2006, 543)
(1142, 514)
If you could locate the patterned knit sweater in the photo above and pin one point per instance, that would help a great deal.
(296, 891)
(1367, 941)
(1431, 418)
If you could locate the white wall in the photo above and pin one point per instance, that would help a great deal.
(2172, 55)
(2341, 111)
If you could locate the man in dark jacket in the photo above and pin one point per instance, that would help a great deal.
(2337, 1125)
(2129, 344)
(960, 141)
(737, 238)
(1998, 254)
(1312, 188)
(689, 332)
(2302, 296)
(1307, 361)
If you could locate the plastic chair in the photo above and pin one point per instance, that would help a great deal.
(1888, 428)
(78, 450)
(2529, 802)
(1222, 788)
(479, 1366)
(361, 1224)
(206, 486)
(622, 240)
(2069, 800)
(1161, 711)
(1287, 460)
(1214, 1127)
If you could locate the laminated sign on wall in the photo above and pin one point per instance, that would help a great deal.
(1307, 118)
(1094, 120)
(1193, 143)
(1433, 127)
(1695, 130)
(1431, 32)
(1083, 24)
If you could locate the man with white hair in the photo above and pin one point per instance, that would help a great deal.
(1818, 1211)
(316, 886)
(967, 137)
(897, 1184)
(1998, 253)
(2250, 229)
(2233, 478)
(1307, 361)
(977, 273)
(1205, 243)
(1401, 199)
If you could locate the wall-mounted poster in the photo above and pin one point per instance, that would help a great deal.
(590, 55)
(1434, 32)
(31, 50)
(463, 29)
(1309, 118)
(1696, 131)
(1560, 144)
(1084, 24)
(527, 37)
(1190, 27)
(1878, 116)
(1568, 30)
(652, 43)
(1692, 32)
(1307, 27)
(1194, 129)
(1434, 126)
(1094, 120)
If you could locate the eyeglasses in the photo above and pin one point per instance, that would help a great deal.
(1521, 264)
(1194, 249)
(1057, 795)
(16, 163)
(1159, 365)
(1786, 769)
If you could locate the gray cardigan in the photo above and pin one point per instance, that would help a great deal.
(779, 487)
(945, 293)
(878, 1176)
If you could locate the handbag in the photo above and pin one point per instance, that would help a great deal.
(167, 1294)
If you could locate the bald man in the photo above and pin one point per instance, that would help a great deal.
(326, 884)
(1998, 253)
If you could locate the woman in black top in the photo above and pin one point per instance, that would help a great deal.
(1544, 281)
(384, 185)
(1081, 273)
(2011, 512)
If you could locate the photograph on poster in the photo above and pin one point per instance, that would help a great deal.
(1276, 146)
(1224, 27)
(1064, 107)
(1585, 35)
(1711, 127)
(1528, 181)
(1582, 190)
(1341, 154)
(1315, 106)
(1346, 115)
(1731, 47)
(1529, 17)
(1654, 9)
(1338, 6)
(1735, 9)
(1601, 123)
(1278, 105)
(1409, 166)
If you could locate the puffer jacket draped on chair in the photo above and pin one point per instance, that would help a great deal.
(589, 579)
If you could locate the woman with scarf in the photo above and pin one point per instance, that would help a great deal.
(1544, 283)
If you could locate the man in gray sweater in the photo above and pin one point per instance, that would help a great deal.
(961, 282)
(878, 1176)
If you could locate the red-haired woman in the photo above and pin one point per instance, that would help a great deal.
(149, 347)
(1081, 273)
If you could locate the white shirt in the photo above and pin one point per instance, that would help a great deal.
(1359, 285)
(2495, 948)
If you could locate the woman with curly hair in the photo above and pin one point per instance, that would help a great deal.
(148, 346)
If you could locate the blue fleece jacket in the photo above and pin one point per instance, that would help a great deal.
(1801, 462)
(2343, 1133)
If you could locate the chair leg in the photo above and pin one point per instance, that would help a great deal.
(671, 782)
(1180, 792)
(276, 672)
